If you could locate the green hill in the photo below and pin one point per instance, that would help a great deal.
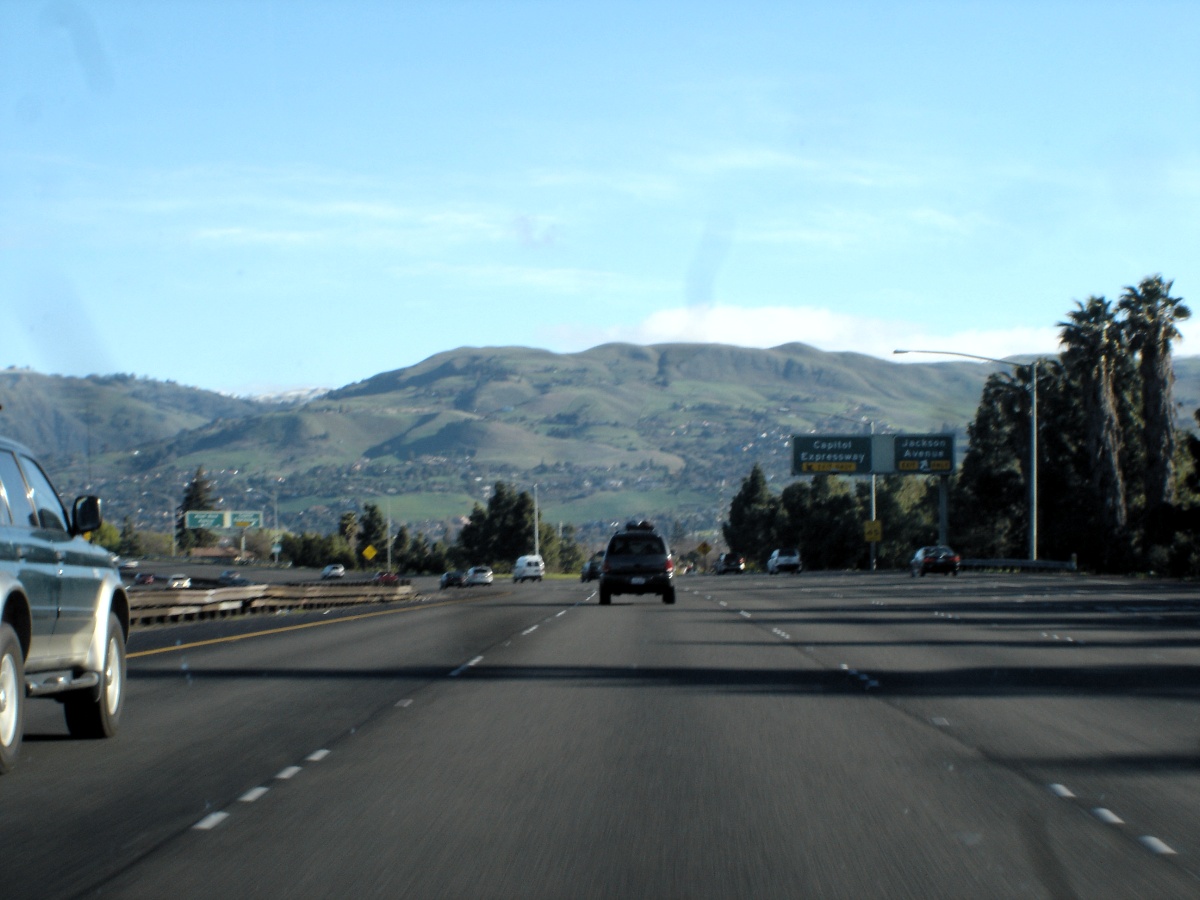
(665, 431)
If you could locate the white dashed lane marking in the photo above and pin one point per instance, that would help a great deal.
(253, 794)
(317, 755)
(288, 774)
(476, 661)
(1107, 815)
(1156, 846)
(530, 630)
(211, 821)
(401, 704)
(1062, 790)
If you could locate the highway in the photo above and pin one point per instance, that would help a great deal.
(822, 735)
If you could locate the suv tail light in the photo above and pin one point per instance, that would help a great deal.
(670, 566)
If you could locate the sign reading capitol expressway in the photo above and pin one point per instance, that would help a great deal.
(876, 454)
(825, 453)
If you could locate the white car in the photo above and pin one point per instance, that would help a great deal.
(179, 582)
(529, 568)
(478, 575)
(335, 570)
(787, 560)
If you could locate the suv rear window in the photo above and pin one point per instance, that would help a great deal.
(637, 545)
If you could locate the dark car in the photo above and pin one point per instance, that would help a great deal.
(231, 578)
(389, 578)
(730, 563)
(145, 578)
(591, 569)
(637, 561)
(935, 559)
(453, 579)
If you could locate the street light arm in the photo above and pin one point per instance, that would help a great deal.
(1003, 362)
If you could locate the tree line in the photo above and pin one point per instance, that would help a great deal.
(1118, 483)
(494, 535)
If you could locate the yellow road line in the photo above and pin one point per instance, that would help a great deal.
(241, 637)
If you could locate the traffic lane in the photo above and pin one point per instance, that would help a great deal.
(1097, 719)
(204, 724)
(646, 750)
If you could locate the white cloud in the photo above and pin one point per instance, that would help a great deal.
(825, 329)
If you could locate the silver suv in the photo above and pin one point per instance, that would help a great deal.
(64, 615)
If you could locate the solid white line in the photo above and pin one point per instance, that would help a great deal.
(530, 630)
(1107, 815)
(400, 704)
(317, 755)
(211, 821)
(252, 795)
(1156, 846)
(289, 772)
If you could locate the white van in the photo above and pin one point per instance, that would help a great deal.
(529, 568)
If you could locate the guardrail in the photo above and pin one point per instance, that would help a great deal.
(1031, 565)
(160, 607)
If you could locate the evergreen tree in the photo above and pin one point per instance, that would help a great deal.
(753, 513)
(372, 532)
(130, 544)
(197, 497)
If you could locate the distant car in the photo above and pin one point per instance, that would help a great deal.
(179, 582)
(452, 579)
(935, 559)
(730, 562)
(232, 578)
(478, 575)
(145, 578)
(334, 570)
(787, 560)
(637, 561)
(386, 578)
(127, 566)
(591, 569)
(528, 568)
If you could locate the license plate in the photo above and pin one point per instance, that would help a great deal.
(637, 580)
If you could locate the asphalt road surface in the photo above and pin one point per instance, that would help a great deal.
(811, 736)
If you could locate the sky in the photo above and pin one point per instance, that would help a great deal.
(266, 195)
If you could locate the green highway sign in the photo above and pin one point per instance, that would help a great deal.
(204, 518)
(247, 518)
(815, 454)
(924, 454)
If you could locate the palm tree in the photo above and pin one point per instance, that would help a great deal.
(1151, 314)
(1094, 341)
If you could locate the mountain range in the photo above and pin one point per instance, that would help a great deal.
(665, 431)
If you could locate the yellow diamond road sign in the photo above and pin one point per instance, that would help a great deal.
(370, 552)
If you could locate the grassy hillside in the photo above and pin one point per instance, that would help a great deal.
(662, 431)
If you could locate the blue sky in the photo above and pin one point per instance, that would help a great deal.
(259, 195)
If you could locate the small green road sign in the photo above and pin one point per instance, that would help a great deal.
(204, 518)
(815, 454)
(925, 454)
(247, 518)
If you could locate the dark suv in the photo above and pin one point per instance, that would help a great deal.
(637, 561)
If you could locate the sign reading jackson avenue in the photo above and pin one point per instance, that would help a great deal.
(831, 453)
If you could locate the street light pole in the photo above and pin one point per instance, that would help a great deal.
(1033, 432)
